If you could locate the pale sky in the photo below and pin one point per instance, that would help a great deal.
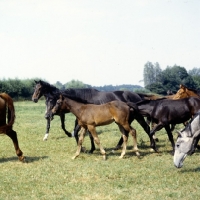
(98, 42)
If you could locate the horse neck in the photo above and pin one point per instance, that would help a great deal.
(146, 109)
(49, 90)
(196, 120)
(191, 93)
(73, 106)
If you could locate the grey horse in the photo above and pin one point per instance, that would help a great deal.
(187, 141)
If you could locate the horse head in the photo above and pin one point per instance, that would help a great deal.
(50, 103)
(185, 92)
(187, 141)
(38, 91)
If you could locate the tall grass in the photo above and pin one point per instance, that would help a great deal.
(50, 173)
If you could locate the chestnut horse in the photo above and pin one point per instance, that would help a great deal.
(184, 92)
(90, 116)
(7, 110)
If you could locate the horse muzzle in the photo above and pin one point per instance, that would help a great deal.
(48, 116)
(35, 100)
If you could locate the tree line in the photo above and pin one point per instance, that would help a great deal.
(23, 89)
(160, 81)
(155, 80)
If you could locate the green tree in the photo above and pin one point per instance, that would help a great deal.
(195, 75)
(75, 84)
(152, 73)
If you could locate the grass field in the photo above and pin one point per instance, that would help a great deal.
(50, 173)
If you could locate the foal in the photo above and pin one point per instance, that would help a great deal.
(89, 116)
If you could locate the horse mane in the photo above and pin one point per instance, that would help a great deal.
(82, 95)
(188, 126)
(150, 100)
(48, 87)
(73, 97)
(191, 89)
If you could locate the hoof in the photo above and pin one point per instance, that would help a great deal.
(83, 149)
(137, 154)
(69, 134)
(22, 159)
(73, 158)
(117, 148)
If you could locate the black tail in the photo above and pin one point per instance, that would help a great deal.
(139, 117)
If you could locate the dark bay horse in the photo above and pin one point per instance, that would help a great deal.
(88, 95)
(7, 111)
(166, 111)
(90, 116)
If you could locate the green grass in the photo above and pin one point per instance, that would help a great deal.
(51, 174)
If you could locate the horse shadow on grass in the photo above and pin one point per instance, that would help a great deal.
(27, 159)
(197, 169)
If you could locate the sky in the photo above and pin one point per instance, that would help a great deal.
(98, 42)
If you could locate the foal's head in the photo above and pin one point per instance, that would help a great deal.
(57, 105)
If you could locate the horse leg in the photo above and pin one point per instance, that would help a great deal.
(125, 139)
(92, 143)
(119, 144)
(97, 141)
(170, 136)
(80, 142)
(47, 129)
(140, 119)
(13, 135)
(134, 135)
(76, 130)
(62, 119)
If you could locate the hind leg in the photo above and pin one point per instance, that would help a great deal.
(134, 135)
(13, 135)
(125, 139)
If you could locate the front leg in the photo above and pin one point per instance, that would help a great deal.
(62, 119)
(80, 142)
(47, 129)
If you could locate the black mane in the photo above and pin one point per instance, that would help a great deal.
(48, 88)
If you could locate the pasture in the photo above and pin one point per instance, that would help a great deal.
(50, 173)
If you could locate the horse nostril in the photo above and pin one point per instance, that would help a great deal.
(47, 116)
(35, 100)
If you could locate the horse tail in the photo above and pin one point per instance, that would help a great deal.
(132, 105)
(139, 117)
(10, 113)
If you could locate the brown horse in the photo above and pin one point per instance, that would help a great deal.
(90, 116)
(185, 92)
(6, 102)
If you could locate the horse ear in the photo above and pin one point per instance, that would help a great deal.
(36, 81)
(179, 133)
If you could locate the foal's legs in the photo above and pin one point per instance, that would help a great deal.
(135, 148)
(97, 141)
(13, 135)
(80, 142)
(76, 130)
(124, 138)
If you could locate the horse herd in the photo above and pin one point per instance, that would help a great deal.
(94, 108)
